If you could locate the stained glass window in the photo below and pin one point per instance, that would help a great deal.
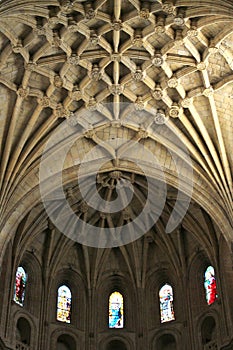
(210, 285)
(63, 304)
(20, 285)
(116, 304)
(166, 304)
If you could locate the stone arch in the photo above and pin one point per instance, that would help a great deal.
(68, 337)
(75, 283)
(121, 342)
(123, 285)
(33, 289)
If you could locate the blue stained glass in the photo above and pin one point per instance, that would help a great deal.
(116, 310)
(166, 304)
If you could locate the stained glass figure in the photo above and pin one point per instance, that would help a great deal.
(210, 285)
(116, 304)
(20, 285)
(166, 304)
(64, 304)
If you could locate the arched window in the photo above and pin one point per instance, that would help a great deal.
(23, 333)
(116, 345)
(116, 305)
(210, 285)
(166, 342)
(65, 342)
(20, 285)
(166, 304)
(63, 304)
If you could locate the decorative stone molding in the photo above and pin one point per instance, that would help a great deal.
(169, 8)
(179, 20)
(89, 134)
(17, 47)
(66, 6)
(116, 25)
(137, 40)
(157, 60)
(192, 33)
(94, 39)
(92, 104)
(173, 83)
(144, 13)
(160, 117)
(57, 81)
(75, 94)
(95, 74)
(30, 66)
(73, 59)
(201, 66)
(139, 104)
(116, 89)
(116, 57)
(186, 102)
(44, 101)
(209, 91)
(39, 30)
(90, 12)
(175, 111)
(158, 93)
(138, 75)
(159, 29)
(116, 175)
(23, 93)
(142, 134)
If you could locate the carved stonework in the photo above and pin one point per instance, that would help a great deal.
(39, 30)
(168, 8)
(139, 104)
(92, 104)
(17, 47)
(57, 81)
(116, 89)
(192, 33)
(157, 60)
(144, 13)
(201, 66)
(209, 91)
(90, 13)
(137, 41)
(179, 20)
(75, 94)
(94, 39)
(73, 59)
(160, 117)
(95, 74)
(23, 93)
(186, 102)
(116, 57)
(175, 111)
(173, 83)
(158, 93)
(138, 75)
(116, 25)
(44, 101)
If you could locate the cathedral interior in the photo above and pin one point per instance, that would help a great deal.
(116, 164)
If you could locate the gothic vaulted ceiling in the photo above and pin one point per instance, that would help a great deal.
(129, 69)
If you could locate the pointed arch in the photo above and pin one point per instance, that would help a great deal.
(166, 303)
(116, 307)
(64, 299)
(210, 285)
(20, 285)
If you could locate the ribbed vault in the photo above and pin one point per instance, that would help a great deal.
(153, 68)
